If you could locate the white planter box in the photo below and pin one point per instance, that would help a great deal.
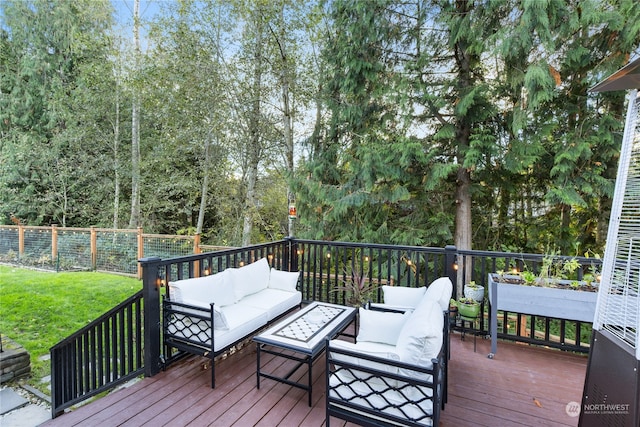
(545, 301)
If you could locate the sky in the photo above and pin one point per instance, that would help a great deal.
(124, 9)
(124, 17)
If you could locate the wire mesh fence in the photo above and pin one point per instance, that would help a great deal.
(9, 245)
(66, 249)
(37, 246)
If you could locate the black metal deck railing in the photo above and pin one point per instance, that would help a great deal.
(103, 354)
(124, 343)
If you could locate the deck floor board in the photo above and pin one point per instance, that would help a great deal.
(521, 386)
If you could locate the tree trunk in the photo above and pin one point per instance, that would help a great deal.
(205, 186)
(134, 220)
(286, 110)
(253, 149)
(116, 163)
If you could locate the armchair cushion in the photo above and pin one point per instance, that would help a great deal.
(421, 337)
(381, 327)
(367, 349)
(439, 290)
(402, 297)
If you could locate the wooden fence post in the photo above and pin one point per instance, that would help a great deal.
(54, 243)
(196, 250)
(94, 248)
(20, 241)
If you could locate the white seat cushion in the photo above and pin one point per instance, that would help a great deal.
(242, 320)
(273, 302)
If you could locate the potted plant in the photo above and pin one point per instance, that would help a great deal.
(474, 291)
(356, 286)
(467, 307)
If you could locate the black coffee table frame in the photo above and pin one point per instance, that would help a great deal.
(305, 334)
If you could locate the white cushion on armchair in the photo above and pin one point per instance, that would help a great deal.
(422, 335)
(439, 290)
(379, 326)
(402, 297)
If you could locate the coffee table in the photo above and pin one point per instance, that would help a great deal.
(304, 335)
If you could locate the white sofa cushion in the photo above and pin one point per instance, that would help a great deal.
(250, 278)
(272, 301)
(242, 320)
(421, 336)
(379, 326)
(215, 288)
(440, 290)
(219, 319)
(402, 297)
(284, 280)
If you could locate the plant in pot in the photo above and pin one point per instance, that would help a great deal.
(474, 291)
(356, 287)
(467, 307)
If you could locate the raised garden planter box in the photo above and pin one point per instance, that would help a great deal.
(569, 304)
(546, 301)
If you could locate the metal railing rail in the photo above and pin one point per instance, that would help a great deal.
(105, 353)
(125, 343)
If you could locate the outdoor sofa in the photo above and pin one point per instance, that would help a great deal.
(207, 316)
(396, 371)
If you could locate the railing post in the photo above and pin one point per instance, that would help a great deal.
(151, 295)
(451, 266)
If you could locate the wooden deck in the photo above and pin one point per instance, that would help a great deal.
(522, 386)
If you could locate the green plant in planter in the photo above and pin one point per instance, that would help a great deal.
(475, 291)
(468, 307)
(529, 278)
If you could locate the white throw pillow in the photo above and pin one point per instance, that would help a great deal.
(250, 278)
(421, 336)
(380, 326)
(284, 280)
(402, 296)
(440, 290)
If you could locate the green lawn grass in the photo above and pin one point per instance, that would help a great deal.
(38, 309)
